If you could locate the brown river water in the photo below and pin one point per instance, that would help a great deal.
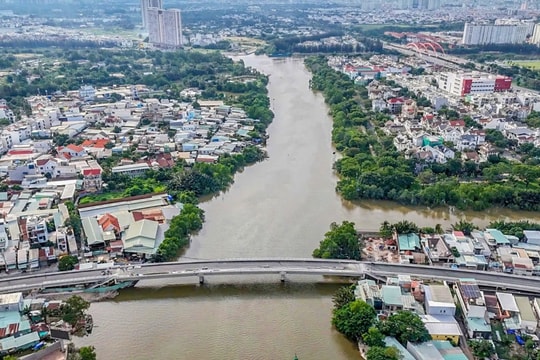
(278, 208)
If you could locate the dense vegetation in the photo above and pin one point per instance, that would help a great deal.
(166, 73)
(371, 168)
(358, 321)
(341, 242)
(293, 44)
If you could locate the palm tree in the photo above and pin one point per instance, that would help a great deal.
(44, 313)
(26, 311)
(439, 229)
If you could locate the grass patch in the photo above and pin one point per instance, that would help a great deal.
(529, 64)
(101, 197)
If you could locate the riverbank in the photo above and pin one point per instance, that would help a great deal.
(371, 168)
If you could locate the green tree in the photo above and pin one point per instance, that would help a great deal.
(354, 319)
(67, 263)
(341, 242)
(73, 309)
(382, 353)
(343, 296)
(87, 353)
(373, 337)
(405, 326)
(465, 226)
(10, 357)
(386, 230)
(481, 348)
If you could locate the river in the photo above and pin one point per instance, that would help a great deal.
(279, 208)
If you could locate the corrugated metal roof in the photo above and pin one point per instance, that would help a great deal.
(525, 309)
(92, 230)
(507, 302)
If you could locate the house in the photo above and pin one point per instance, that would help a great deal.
(424, 351)
(526, 314)
(109, 222)
(131, 169)
(439, 300)
(437, 250)
(395, 104)
(472, 303)
(409, 242)
(509, 307)
(442, 327)
(141, 237)
(72, 151)
(531, 237)
(92, 231)
(47, 166)
(368, 291)
(11, 302)
(22, 342)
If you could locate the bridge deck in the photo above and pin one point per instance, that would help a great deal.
(250, 267)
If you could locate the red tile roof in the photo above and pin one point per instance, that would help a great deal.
(75, 148)
(459, 123)
(20, 152)
(42, 162)
(99, 143)
(91, 172)
(108, 220)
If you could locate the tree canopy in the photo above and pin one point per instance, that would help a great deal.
(354, 319)
(67, 262)
(73, 309)
(405, 326)
(372, 168)
(341, 242)
(382, 353)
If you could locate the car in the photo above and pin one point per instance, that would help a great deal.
(204, 268)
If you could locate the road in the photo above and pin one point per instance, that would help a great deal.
(282, 267)
(449, 61)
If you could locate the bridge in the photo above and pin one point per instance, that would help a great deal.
(202, 269)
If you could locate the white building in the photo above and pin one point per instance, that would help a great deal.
(11, 302)
(486, 34)
(145, 5)
(165, 27)
(87, 93)
(535, 39)
(461, 84)
(439, 300)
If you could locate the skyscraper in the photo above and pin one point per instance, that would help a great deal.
(165, 27)
(145, 5)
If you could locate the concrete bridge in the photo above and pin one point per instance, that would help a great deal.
(248, 267)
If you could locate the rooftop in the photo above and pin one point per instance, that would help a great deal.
(408, 242)
(391, 295)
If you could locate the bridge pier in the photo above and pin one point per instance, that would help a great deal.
(283, 276)
(201, 279)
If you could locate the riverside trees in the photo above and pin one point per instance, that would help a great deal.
(341, 242)
(371, 168)
(357, 320)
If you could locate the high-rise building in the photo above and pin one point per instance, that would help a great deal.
(165, 27)
(499, 33)
(145, 5)
(535, 39)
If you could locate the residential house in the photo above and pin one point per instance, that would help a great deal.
(472, 303)
(47, 165)
(509, 307)
(11, 302)
(131, 169)
(527, 318)
(72, 151)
